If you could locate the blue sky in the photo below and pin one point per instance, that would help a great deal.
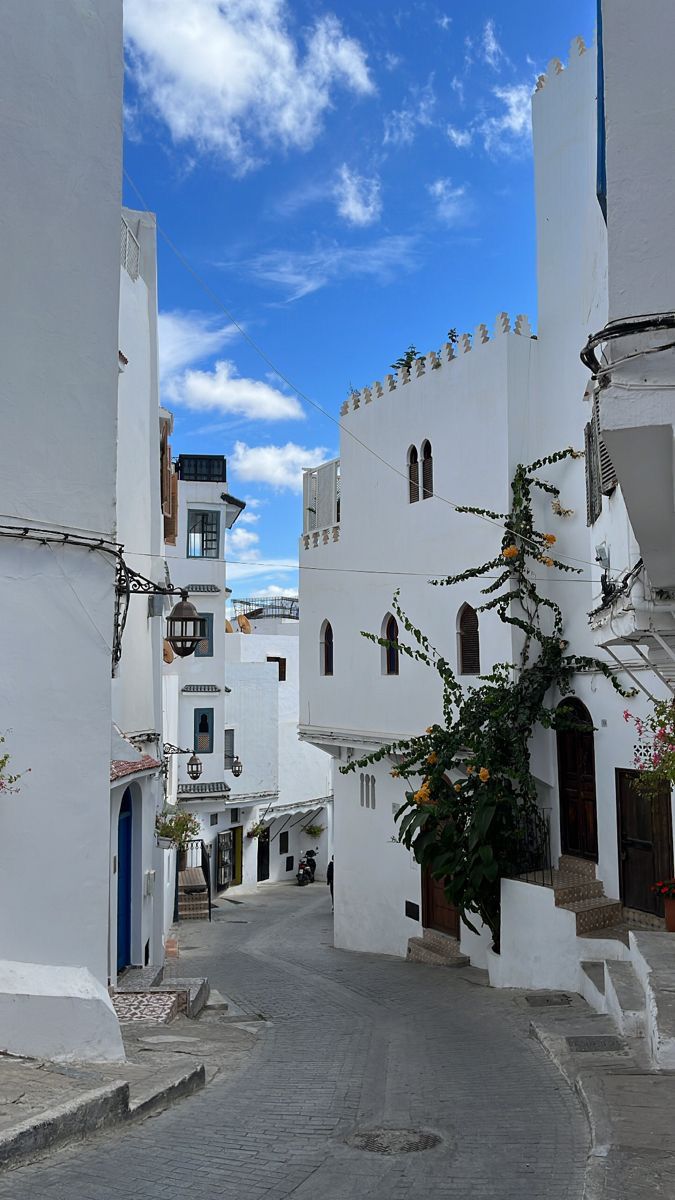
(346, 179)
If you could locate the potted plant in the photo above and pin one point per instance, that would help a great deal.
(666, 889)
(256, 830)
(177, 829)
(313, 831)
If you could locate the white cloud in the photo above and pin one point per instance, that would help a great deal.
(188, 337)
(392, 61)
(492, 52)
(461, 138)
(302, 272)
(451, 202)
(400, 126)
(232, 78)
(279, 466)
(222, 390)
(444, 22)
(236, 572)
(357, 198)
(248, 517)
(458, 88)
(512, 129)
(241, 539)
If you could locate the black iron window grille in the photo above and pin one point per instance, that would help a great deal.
(203, 534)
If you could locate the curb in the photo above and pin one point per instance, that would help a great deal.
(101, 1108)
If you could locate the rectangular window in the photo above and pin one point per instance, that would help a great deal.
(213, 819)
(205, 647)
(290, 861)
(234, 816)
(228, 748)
(281, 663)
(203, 731)
(283, 843)
(202, 468)
(203, 540)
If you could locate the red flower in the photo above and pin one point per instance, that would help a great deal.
(664, 891)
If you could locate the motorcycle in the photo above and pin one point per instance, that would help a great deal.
(306, 868)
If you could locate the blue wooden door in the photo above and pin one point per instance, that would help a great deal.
(124, 883)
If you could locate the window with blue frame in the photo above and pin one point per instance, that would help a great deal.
(203, 538)
(205, 647)
(203, 742)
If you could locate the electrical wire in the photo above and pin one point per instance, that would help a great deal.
(215, 298)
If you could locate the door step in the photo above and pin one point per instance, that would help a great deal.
(569, 865)
(437, 948)
(597, 913)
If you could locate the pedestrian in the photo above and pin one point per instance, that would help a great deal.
(329, 881)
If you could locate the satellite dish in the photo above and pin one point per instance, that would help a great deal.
(228, 626)
(243, 623)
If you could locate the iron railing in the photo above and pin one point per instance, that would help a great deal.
(531, 849)
(197, 856)
(130, 251)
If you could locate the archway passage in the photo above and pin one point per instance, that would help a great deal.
(576, 784)
(124, 883)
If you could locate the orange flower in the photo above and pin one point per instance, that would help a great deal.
(432, 758)
(510, 552)
(458, 787)
(470, 770)
(430, 729)
(483, 774)
(422, 796)
(550, 539)
(395, 774)
(548, 562)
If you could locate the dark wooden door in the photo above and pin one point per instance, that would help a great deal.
(124, 883)
(263, 856)
(645, 843)
(437, 912)
(576, 785)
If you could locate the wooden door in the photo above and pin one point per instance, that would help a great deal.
(124, 883)
(264, 856)
(645, 843)
(576, 785)
(437, 912)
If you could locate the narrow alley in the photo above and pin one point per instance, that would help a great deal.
(349, 1043)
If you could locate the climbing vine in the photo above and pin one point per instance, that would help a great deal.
(471, 815)
(8, 780)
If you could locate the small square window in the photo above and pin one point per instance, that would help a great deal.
(290, 862)
(234, 816)
(281, 663)
(213, 819)
(283, 843)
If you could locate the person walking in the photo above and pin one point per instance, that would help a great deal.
(329, 881)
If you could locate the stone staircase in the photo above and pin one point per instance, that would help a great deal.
(576, 889)
(193, 897)
(437, 949)
(638, 992)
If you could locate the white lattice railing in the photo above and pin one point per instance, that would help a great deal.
(130, 251)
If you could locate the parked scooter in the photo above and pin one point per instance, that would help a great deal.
(306, 868)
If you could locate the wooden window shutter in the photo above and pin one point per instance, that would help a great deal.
(413, 477)
(427, 471)
(171, 519)
(165, 473)
(593, 493)
(607, 475)
(469, 642)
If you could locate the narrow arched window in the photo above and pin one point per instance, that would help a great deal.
(413, 475)
(390, 651)
(326, 648)
(468, 641)
(427, 471)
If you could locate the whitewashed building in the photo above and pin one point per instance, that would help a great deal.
(262, 669)
(60, 279)
(454, 428)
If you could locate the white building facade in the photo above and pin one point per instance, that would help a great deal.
(458, 423)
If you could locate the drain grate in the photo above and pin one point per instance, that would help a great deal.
(595, 1044)
(393, 1141)
(547, 999)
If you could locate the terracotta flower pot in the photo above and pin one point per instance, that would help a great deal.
(669, 905)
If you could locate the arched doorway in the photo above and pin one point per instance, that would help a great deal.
(576, 783)
(124, 883)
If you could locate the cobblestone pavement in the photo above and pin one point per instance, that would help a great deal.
(353, 1042)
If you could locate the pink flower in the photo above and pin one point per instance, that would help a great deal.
(626, 715)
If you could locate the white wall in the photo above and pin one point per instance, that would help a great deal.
(61, 88)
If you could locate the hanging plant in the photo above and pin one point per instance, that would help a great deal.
(180, 828)
(471, 813)
(313, 831)
(256, 830)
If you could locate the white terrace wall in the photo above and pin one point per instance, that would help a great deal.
(61, 89)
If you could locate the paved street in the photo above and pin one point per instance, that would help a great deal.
(352, 1042)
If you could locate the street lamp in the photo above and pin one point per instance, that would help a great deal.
(194, 764)
(184, 627)
(237, 765)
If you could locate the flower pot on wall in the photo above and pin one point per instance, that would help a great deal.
(669, 905)
(164, 843)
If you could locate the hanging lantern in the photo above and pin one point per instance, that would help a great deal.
(194, 766)
(237, 766)
(185, 629)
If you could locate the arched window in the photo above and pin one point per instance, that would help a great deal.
(468, 641)
(326, 648)
(413, 475)
(427, 471)
(390, 652)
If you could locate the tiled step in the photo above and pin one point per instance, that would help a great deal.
(568, 888)
(569, 865)
(443, 943)
(422, 951)
(599, 913)
(626, 1000)
(193, 906)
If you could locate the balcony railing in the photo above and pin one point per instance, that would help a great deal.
(130, 251)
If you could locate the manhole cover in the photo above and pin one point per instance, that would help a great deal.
(545, 1000)
(393, 1141)
(598, 1044)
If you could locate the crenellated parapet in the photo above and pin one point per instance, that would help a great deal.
(435, 360)
(557, 67)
